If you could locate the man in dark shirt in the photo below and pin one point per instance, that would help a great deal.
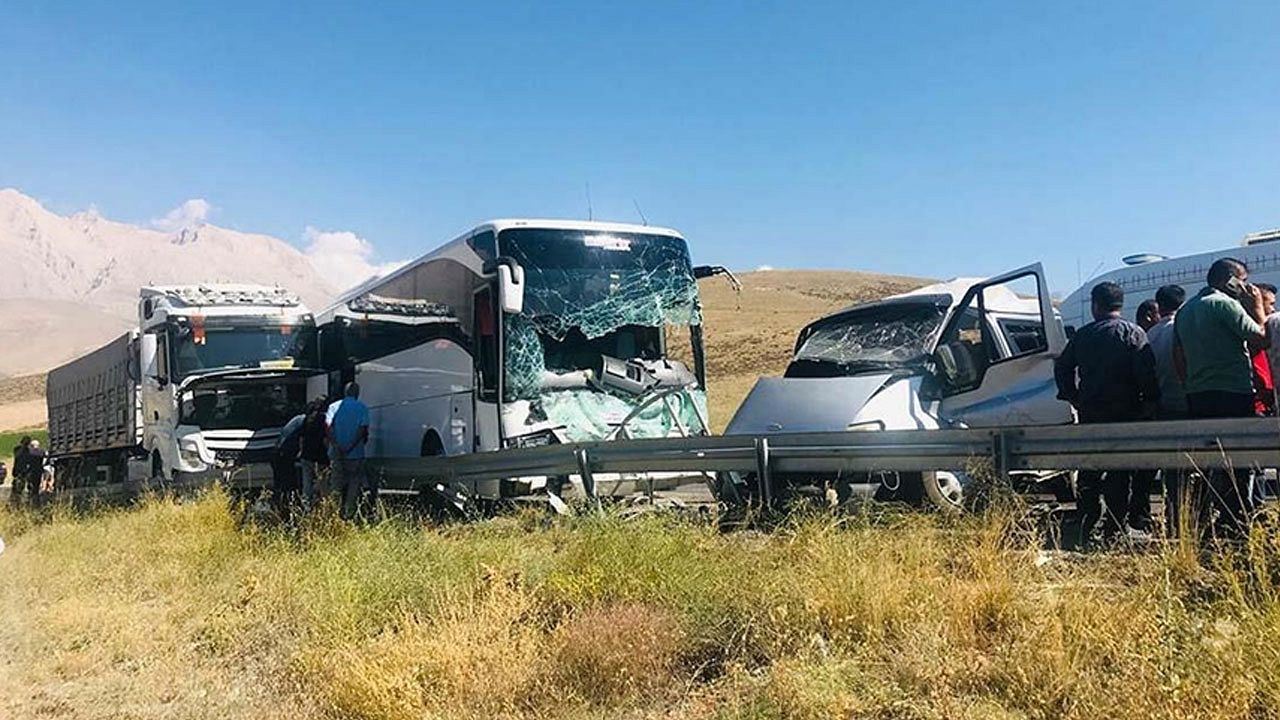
(20, 457)
(314, 455)
(284, 467)
(1116, 382)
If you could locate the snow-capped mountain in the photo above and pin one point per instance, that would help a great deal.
(68, 284)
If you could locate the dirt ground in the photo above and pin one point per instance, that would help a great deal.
(22, 402)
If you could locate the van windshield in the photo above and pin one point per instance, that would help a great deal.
(882, 337)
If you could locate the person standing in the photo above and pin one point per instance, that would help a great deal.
(284, 467)
(1107, 372)
(34, 472)
(314, 457)
(1173, 398)
(1148, 314)
(1215, 332)
(347, 423)
(19, 470)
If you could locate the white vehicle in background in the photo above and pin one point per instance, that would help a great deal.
(1145, 273)
(201, 388)
(521, 333)
(966, 353)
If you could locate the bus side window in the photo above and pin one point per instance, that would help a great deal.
(486, 345)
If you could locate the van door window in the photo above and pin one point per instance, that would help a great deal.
(996, 322)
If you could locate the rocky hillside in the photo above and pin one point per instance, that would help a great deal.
(70, 282)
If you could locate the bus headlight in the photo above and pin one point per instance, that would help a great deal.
(538, 439)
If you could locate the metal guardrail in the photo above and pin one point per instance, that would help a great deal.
(1187, 444)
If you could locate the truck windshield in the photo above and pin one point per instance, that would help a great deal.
(590, 293)
(242, 405)
(214, 347)
(875, 338)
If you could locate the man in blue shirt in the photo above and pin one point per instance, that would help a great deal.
(347, 427)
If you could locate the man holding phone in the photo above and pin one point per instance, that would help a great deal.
(1217, 331)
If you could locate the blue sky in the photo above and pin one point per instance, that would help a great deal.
(926, 138)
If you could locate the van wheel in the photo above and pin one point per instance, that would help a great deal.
(945, 490)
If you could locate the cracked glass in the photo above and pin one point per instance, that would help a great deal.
(883, 335)
(588, 294)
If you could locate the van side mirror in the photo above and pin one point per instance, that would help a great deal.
(511, 288)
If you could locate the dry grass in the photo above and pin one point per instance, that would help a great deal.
(170, 610)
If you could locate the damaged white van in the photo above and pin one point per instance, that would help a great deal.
(966, 353)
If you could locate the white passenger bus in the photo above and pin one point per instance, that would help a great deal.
(521, 333)
(1145, 273)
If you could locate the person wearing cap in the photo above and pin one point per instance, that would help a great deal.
(1107, 372)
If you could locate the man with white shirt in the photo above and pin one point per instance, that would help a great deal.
(1173, 397)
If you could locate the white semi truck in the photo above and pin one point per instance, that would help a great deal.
(198, 390)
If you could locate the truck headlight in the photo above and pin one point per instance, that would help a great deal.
(190, 456)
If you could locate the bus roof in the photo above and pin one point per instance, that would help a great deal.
(457, 246)
(556, 224)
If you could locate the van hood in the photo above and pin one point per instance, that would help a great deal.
(780, 404)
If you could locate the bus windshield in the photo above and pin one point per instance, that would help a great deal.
(598, 282)
(588, 294)
(218, 346)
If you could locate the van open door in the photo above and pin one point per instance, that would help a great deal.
(994, 359)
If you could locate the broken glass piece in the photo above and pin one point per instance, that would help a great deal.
(525, 359)
(591, 415)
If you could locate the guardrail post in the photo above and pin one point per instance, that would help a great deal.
(1000, 455)
(584, 471)
(763, 475)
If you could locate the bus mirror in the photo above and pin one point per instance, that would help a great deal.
(511, 288)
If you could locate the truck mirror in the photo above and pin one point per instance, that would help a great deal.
(511, 288)
(147, 355)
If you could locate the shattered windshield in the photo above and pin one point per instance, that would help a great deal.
(598, 282)
(198, 348)
(589, 294)
(882, 336)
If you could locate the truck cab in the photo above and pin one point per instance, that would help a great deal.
(223, 368)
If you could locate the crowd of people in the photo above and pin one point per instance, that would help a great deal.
(1209, 356)
(32, 475)
(320, 454)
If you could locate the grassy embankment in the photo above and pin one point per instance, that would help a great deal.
(170, 610)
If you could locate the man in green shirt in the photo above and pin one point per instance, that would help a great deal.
(1215, 331)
